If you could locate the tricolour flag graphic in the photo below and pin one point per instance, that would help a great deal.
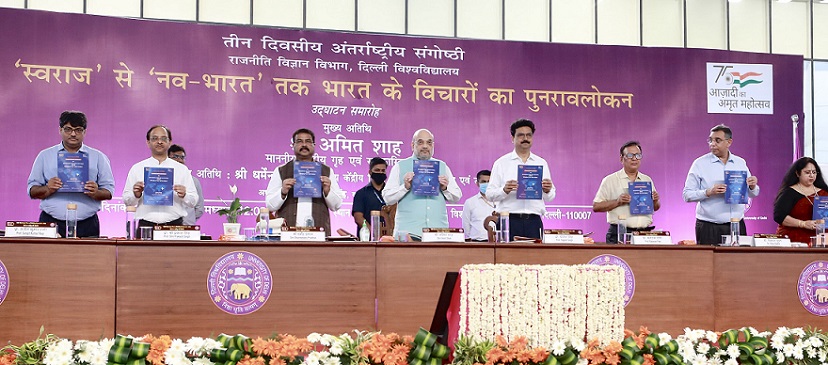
(745, 79)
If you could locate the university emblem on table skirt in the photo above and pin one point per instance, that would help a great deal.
(239, 283)
(813, 288)
(4, 282)
(629, 278)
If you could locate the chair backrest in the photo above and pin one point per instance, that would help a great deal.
(388, 214)
(490, 230)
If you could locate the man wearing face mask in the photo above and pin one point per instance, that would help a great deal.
(476, 209)
(370, 196)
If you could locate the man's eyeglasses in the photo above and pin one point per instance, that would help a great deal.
(715, 140)
(70, 130)
(178, 157)
(630, 156)
(156, 139)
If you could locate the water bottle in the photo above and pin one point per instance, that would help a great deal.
(376, 226)
(131, 225)
(364, 232)
(820, 233)
(309, 221)
(734, 231)
(263, 223)
(71, 220)
(622, 230)
(504, 228)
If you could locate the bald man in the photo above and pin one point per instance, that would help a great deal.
(415, 212)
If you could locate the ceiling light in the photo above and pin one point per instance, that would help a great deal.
(784, 1)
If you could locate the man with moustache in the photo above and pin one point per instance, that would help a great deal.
(614, 198)
(370, 196)
(415, 212)
(705, 185)
(303, 211)
(185, 196)
(44, 183)
(524, 214)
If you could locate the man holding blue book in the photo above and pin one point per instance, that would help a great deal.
(706, 186)
(420, 186)
(303, 191)
(521, 183)
(161, 188)
(71, 172)
(627, 193)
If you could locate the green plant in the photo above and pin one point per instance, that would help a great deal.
(469, 351)
(31, 353)
(235, 209)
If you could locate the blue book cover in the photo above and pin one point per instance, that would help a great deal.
(820, 207)
(308, 179)
(426, 180)
(641, 197)
(73, 171)
(530, 182)
(737, 188)
(158, 186)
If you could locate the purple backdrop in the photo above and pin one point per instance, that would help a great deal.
(246, 126)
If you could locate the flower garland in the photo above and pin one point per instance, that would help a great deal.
(544, 303)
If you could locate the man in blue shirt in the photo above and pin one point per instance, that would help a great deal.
(705, 185)
(44, 183)
(370, 196)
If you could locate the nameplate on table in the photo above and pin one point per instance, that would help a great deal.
(651, 238)
(31, 229)
(575, 236)
(176, 233)
(443, 235)
(771, 240)
(303, 234)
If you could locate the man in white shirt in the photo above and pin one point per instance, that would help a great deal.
(302, 211)
(614, 198)
(476, 209)
(184, 193)
(524, 214)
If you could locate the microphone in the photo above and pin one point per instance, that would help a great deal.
(795, 118)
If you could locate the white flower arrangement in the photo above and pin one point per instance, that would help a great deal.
(544, 303)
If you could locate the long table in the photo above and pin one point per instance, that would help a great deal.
(88, 289)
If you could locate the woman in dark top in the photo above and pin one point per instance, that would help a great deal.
(794, 204)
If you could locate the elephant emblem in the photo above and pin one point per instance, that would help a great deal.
(821, 295)
(240, 291)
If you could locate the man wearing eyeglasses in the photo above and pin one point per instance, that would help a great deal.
(184, 194)
(524, 214)
(614, 198)
(178, 153)
(44, 183)
(705, 185)
(303, 211)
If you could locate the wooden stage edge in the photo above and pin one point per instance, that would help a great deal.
(89, 289)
